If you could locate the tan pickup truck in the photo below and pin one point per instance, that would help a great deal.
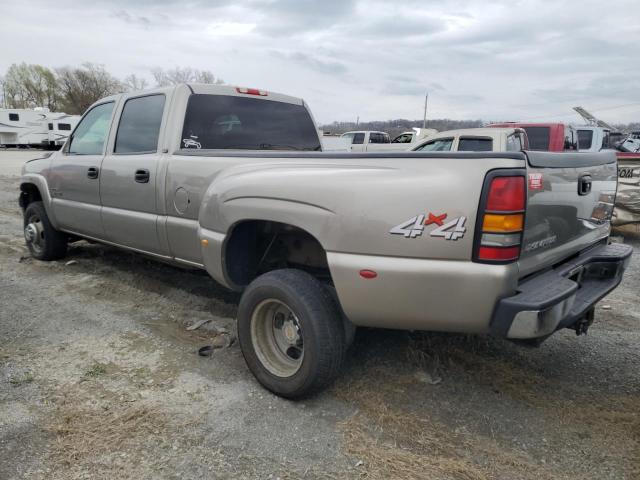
(231, 180)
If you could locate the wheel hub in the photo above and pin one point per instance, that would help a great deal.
(277, 338)
(30, 232)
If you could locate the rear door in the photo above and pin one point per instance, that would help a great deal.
(131, 182)
(569, 207)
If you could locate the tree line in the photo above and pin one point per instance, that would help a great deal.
(396, 127)
(73, 89)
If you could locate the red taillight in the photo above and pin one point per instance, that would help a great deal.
(499, 253)
(501, 217)
(252, 91)
(506, 194)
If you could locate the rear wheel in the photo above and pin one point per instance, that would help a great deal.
(291, 333)
(43, 241)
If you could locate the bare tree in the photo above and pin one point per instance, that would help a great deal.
(82, 86)
(178, 75)
(133, 83)
(28, 86)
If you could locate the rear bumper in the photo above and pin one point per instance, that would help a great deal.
(563, 296)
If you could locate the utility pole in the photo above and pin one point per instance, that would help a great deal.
(357, 121)
(424, 119)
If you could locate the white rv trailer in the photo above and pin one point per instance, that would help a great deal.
(36, 127)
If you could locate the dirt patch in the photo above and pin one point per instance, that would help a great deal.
(99, 378)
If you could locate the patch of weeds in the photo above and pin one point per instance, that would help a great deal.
(17, 380)
(96, 370)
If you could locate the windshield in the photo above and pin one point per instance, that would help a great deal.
(228, 122)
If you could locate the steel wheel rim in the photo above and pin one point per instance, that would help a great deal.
(277, 338)
(34, 233)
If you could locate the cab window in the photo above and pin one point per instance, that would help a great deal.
(585, 139)
(438, 145)
(538, 138)
(139, 126)
(379, 138)
(92, 131)
(514, 143)
(238, 122)
(404, 138)
(475, 144)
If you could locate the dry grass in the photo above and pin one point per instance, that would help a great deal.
(395, 442)
(95, 439)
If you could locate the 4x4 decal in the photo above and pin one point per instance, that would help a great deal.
(415, 226)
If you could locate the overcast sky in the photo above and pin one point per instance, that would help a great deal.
(493, 60)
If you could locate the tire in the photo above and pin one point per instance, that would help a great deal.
(287, 311)
(43, 241)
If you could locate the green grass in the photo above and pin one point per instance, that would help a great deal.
(17, 380)
(96, 370)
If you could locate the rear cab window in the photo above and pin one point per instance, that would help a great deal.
(230, 122)
(376, 137)
(538, 138)
(475, 144)
(437, 145)
(585, 139)
(403, 138)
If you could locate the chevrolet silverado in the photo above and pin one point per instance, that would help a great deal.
(231, 180)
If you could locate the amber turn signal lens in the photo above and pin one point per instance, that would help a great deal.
(502, 223)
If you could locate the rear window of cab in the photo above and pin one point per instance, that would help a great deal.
(230, 122)
(475, 144)
(538, 138)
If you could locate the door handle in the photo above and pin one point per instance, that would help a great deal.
(92, 172)
(584, 185)
(142, 176)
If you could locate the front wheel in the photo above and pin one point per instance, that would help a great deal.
(43, 241)
(291, 333)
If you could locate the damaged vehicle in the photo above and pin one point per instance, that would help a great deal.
(231, 180)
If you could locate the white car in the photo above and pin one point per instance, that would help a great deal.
(476, 140)
(372, 141)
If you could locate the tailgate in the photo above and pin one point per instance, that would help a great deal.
(569, 206)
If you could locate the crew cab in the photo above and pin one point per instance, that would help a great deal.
(230, 180)
(476, 140)
(546, 137)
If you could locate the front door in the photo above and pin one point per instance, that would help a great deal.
(130, 179)
(74, 180)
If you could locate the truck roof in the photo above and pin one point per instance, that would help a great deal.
(527, 124)
(492, 132)
(367, 131)
(208, 89)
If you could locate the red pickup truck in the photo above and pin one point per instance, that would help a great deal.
(548, 137)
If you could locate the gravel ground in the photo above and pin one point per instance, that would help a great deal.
(99, 378)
